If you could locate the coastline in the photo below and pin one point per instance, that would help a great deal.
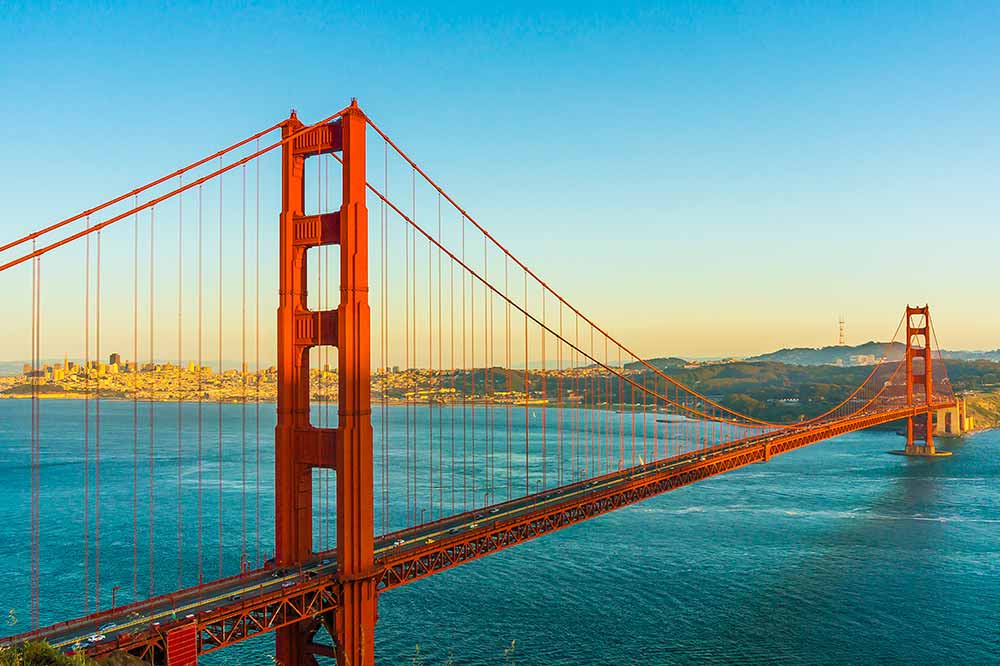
(250, 400)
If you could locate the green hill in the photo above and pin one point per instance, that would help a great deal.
(830, 355)
(660, 363)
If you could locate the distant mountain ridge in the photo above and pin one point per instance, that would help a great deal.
(842, 354)
(972, 355)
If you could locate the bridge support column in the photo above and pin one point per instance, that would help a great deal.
(300, 447)
(953, 421)
(919, 379)
(356, 615)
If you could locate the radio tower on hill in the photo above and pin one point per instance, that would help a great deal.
(842, 337)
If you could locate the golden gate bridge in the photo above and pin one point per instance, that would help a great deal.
(514, 414)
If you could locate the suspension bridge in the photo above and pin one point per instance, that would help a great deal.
(436, 401)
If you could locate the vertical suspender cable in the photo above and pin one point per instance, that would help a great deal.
(621, 419)
(666, 429)
(38, 442)
(221, 380)
(574, 435)
(152, 369)
(527, 484)
(413, 328)
(406, 358)
(34, 424)
(645, 416)
(243, 377)
(431, 372)
(507, 363)
(544, 401)
(561, 397)
(468, 437)
(487, 388)
(256, 341)
(97, 443)
(135, 404)
(35, 321)
(610, 416)
(454, 370)
(86, 424)
(440, 366)
(605, 431)
(591, 418)
(595, 400)
(385, 343)
(656, 420)
(180, 380)
(201, 390)
(631, 394)
(597, 417)
(38, 447)
(383, 316)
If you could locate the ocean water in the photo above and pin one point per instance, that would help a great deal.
(834, 554)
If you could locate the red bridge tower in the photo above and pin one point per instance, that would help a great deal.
(299, 446)
(919, 378)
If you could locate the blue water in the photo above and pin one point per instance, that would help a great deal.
(837, 553)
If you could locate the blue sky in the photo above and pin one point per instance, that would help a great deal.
(702, 178)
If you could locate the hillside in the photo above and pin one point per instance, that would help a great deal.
(786, 392)
(985, 407)
(841, 354)
(660, 363)
(829, 355)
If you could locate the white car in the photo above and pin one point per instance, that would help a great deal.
(96, 638)
(398, 542)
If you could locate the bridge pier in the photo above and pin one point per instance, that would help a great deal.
(953, 421)
(920, 447)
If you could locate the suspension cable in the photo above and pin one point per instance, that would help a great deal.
(152, 202)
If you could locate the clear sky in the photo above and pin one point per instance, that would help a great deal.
(701, 178)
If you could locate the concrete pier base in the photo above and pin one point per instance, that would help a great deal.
(922, 452)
